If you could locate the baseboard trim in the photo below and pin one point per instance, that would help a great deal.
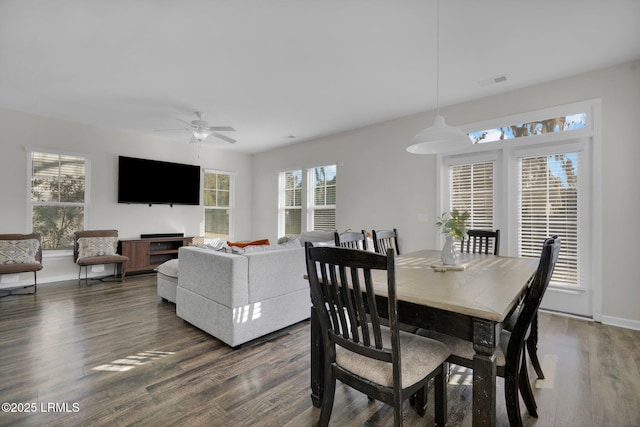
(623, 323)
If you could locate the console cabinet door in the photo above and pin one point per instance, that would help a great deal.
(138, 253)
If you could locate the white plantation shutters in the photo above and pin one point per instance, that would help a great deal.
(290, 203)
(217, 198)
(471, 190)
(548, 205)
(322, 206)
(307, 200)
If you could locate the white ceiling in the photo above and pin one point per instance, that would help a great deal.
(273, 69)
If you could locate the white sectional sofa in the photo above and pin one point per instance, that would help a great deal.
(240, 297)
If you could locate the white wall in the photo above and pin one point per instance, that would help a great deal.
(382, 186)
(103, 147)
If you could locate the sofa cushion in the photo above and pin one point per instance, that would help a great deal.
(19, 251)
(276, 273)
(317, 236)
(216, 275)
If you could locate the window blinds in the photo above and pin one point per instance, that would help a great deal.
(471, 190)
(548, 205)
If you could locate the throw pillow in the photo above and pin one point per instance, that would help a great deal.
(169, 268)
(19, 251)
(96, 246)
(252, 243)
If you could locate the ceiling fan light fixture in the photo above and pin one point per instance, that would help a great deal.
(201, 134)
(438, 138)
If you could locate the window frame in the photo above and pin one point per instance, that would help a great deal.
(30, 204)
(307, 196)
(231, 207)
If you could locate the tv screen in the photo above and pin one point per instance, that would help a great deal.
(156, 182)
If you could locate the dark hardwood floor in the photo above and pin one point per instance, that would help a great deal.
(114, 354)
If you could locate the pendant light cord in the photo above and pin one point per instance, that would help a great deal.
(438, 57)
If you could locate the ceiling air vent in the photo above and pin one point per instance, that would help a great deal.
(492, 81)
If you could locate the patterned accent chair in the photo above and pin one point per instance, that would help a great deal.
(21, 253)
(95, 247)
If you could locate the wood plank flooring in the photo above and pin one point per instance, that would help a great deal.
(154, 369)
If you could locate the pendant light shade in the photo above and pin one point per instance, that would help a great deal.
(438, 138)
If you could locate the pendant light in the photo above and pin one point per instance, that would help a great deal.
(439, 137)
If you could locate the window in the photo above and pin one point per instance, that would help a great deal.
(548, 205)
(536, 179)
(316, 211)
(322, 203)
(537, 127)
(58, 197)
(471, 190)
(217, 198)
(290, 204)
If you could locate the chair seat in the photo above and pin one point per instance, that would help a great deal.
(464, 349)
(419, 356)
(20, 268)
(103, 259)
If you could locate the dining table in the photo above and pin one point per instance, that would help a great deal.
(470, 300)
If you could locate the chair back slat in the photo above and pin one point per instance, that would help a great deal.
(351, 240)
(481, 241)
(385, 239)
(343, 294)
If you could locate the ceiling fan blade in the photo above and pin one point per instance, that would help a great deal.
(221, 128)
(188, 123)
(174, 130)
(224, 138)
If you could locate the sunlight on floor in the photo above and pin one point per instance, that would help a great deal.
(549, 365)
(130, 362)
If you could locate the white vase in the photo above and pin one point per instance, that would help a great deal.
(450, 255)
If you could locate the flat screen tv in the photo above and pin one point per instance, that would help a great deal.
(156, 182)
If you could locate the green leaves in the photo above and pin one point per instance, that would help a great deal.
(453, 223)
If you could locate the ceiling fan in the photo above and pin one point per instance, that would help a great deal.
(201, 130)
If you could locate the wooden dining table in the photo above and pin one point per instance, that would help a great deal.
(470, 303)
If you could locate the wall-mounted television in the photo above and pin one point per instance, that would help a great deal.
(156, 182)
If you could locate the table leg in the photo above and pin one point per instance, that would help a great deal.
(484, 373)
(317, 365)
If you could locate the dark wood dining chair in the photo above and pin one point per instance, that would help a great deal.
(481, 241)
(510, 358)
(351, 240)
(94, 247)
(385, 239)
(382, 362)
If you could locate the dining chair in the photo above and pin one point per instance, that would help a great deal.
(510, 359)
(384, 239)
(480, 241)
(94, 247)
(384, 363)
(351, 240)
